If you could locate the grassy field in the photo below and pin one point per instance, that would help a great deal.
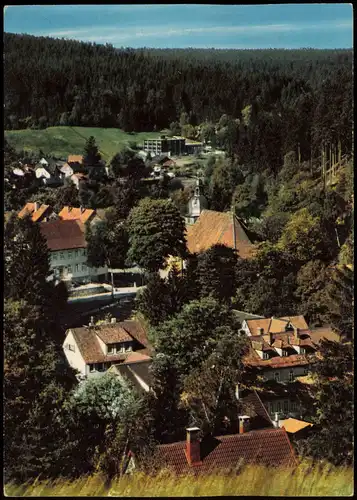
(62, 141)
(306, 480)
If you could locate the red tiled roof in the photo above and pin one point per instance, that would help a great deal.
(27, 209)
(72, 213)
(253, 359)
(268, 447)
(64, 234)
(297, 321)
(214, 228)
(276, 325)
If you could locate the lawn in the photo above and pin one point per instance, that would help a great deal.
(306, 480)
(62, 141)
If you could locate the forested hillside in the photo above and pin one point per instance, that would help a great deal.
(306, 93)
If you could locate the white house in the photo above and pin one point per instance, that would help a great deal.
(93, 349)
(68, 251)
(49, 173)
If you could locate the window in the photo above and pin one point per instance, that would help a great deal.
(293, 406)
(76, 253)
(111, 349)
(54, 255)
(92, 367)
(302, 350)
(285, 352)
(291, 376)
(77, 268)
(265, 355)
(61, 255)
(100, 367)
(286, 406)
(122, 349)
(71, 348)
(306, 370)
(84, 267)
(69, 269)
(277, 376)
(69, 254)
(130, 348)
(278, 406)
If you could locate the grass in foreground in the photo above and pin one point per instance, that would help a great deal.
(306, 480)
(62, 141)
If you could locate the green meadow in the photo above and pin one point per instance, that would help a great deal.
(306, 480)
(62, 141)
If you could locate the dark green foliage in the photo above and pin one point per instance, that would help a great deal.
(107, 243)
(156, 230)
(216, 273)
(307, 92)
(332, 398)
(339, 300)
(191, 336)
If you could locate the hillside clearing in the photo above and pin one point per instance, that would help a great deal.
(62, 141)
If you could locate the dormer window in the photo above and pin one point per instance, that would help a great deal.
(285, 352)
(302, 350)
(111, 349)
(265, 355)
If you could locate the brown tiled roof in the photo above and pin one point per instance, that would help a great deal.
(324, 332)
(72, 213)
(255, 409)
(64, 234)
(297, 321)
(268, 447)
(110, 334)
(75, 159)
(137, 331)
(214, 228)
(253, 359)
(89, 347)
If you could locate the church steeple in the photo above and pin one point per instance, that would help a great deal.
(196, 204)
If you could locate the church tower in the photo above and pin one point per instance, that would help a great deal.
(196, 204)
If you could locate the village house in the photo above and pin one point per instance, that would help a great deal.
(212, 228)
(68, 252)
(78, 178)
(39, 212)
(259, 440)
(48, 172)
(75, 160)
(282, 351)
(93, 349)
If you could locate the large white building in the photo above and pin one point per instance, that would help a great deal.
(68, 251)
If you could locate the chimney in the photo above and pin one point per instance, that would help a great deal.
(91, 323)
(276, 421)
(82, 209)
(193, 446)
(113, 320)
(37, 206)
(244, 424)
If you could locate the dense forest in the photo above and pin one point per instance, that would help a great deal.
(266, 92)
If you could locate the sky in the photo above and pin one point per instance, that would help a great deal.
(323, 26)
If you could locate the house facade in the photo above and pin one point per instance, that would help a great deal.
(93, 349)
(68, 252)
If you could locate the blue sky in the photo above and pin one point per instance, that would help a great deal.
(190, 25)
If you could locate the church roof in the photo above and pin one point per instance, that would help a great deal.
(214, 228)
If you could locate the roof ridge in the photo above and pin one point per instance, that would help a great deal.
(261, 402)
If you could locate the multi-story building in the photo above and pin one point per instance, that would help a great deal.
(93, 349)
(68, 252)
(174, 145)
